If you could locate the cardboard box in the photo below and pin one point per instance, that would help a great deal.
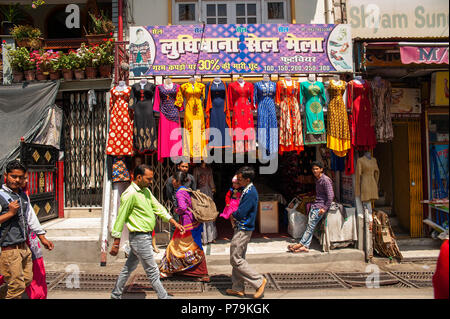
(268, 217)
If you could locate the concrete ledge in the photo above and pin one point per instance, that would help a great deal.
(83, 212)
(73, 250)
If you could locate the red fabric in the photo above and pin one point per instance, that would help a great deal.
(350, 162)
(440, 277)
(359, 99)
(38, 287)
(200, 270)
(241, 103)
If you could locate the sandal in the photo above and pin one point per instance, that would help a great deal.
(301, 249)
(292, 248)
(203, 279)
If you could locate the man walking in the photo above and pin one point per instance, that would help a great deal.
(324, 198)
(16, 217)
(243, 222)
(137, 209)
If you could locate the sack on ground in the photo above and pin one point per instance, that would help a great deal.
(204, 208)
(297, 222)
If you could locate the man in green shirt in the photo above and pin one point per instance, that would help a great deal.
(137, 209)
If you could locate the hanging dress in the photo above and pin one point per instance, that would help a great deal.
(338, 138)
(144, 128)
(120, 136)
(194, 137)
(312, 94)
(267, 118)
(218, 117)
(382, 101)
(241, 103)
(169, 129)
(291, 136)
(359, 98)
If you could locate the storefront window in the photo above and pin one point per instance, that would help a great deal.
(186, 12)
(275, 10)
(246, 13)
(216, 14)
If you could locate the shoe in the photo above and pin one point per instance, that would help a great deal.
(260, 292)
(232, 292)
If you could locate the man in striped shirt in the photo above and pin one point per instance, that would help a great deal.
(324, 198)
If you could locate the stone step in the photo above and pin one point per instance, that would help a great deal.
(82, 212)
(75, 239)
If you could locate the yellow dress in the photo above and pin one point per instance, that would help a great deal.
(338, 138)
(194, 136)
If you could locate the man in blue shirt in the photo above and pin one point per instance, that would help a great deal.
(243, 221)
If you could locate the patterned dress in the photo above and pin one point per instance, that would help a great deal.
(291, 136)
(120, 137)
(169, 130)
(382, 100)
(144, 131)
(359, 98)
(338, 138)
(312, 94)
(218, 115)
(241, 103)
(194, 137)
(267, 118)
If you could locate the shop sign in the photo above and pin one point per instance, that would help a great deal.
(427, 55)
(381, 58)
(371, 19)
(232, 49)
(440, 88)
(405, 101)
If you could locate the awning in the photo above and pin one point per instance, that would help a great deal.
(416, 52)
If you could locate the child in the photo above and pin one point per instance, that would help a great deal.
(232, 199)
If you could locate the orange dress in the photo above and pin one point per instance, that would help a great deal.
(291, 135)
(120, 137)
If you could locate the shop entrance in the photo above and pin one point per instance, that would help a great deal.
(400, 184)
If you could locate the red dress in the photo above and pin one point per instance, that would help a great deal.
(120, 137)
(359, 98)
(241, 103)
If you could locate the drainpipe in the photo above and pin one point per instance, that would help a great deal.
(120, 22)
(328, 8)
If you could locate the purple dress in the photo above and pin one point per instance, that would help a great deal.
(169, 121)
(187, 219)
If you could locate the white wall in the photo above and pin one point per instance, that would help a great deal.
(150, 12)
(310, 11)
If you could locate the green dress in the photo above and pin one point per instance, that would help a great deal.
(312, 96)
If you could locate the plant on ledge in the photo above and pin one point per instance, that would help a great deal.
(105, 53)
(27, 36)
(101, 24)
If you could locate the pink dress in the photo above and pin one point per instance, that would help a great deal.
(169, 122)
(232, 199)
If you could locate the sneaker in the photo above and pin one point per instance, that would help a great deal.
(260, 292)
(232, 292)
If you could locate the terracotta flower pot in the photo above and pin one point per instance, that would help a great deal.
(55, 75)
(41, 76)
(17, 76)
(91, 72)
(79, 74)
(105, 71)
(30, 75)
(67, 74)
(96, 38)
(30, 43)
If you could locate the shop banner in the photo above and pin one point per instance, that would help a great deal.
(233, 49)
(405, 100)
(427, 55)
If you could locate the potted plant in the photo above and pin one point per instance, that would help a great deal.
(42, 59)
(18, 58)
(90, 57)
(105, 53)
(55, 66)
(27, 36)
(66, 64)
(11, 14)
(101, 28)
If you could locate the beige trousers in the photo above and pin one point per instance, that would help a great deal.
(16, 266)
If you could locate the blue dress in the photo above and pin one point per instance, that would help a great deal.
(267, 118)
(217, 115)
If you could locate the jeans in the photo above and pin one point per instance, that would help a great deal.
(313, 219)
(141, 250)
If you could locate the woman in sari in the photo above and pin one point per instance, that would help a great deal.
(184, 254)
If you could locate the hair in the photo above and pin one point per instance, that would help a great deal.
(180, 177)
(140, 170)
(15, 165)
(139, 30)
(317, 163)
(247, 172)
(182, 162)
